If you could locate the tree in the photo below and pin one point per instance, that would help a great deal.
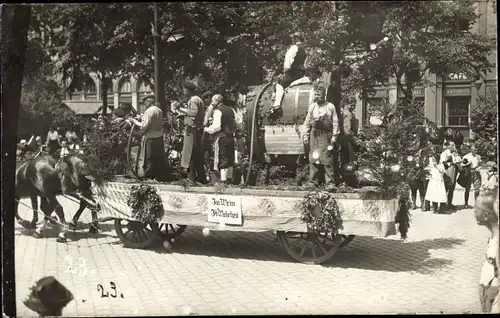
(91, 38)
(430, 37)
(485, 126)
(42, 106)
(199, 41)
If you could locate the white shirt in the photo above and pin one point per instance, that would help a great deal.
(290, 56)
(216, 124)
(445, 155)
(474, 162)
(64, 152)
(152, 122)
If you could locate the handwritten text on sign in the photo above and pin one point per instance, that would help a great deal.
(224, 209)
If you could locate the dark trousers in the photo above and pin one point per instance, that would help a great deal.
(420, 186)
(319, 172)
(450, 182)
(347, 151)
(291, 76)
(154, 158)
(226, 152)
(196, 170)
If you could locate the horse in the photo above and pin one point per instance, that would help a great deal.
(44, 176)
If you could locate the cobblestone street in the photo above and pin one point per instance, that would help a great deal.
(435, 271)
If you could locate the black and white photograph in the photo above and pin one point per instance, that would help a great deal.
(249, 158)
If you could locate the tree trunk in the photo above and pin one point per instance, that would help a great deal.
(104, 93)
(15, 21)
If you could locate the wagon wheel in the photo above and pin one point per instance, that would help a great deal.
(253, 128)
(310, 247)
(136, 234)
(169, 231)
(346, 239)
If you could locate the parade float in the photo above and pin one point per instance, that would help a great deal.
(312, 224)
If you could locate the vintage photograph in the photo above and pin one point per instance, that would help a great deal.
(249, 158)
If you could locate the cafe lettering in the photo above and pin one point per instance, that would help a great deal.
(458, 76)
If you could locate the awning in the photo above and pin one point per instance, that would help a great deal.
(85, 107)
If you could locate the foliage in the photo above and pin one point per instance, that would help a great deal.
(41, 107)
(89, 38)
(485, 126)
(145, 203)
(104, 153)
(431, 37)
(324, 204)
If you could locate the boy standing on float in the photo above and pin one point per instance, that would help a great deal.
(320, 129)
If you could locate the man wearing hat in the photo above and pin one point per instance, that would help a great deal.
(152, 126)
(293, 67)
(321, 128)
(192, 150)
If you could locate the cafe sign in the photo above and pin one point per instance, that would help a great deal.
(462, 76)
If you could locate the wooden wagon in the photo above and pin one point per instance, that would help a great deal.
(248, 210)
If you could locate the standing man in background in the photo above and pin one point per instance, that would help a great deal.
(223, 128)
(151, 125)
(192, 150)
(321, 128)
(450, 158)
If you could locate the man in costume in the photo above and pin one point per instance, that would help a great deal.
(450, 158)
(192, 150)
(208, 139)
(469, 176)
(151, 125)
(320, 130)
(293, 67)
(223, 128)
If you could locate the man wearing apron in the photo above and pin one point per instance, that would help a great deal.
(192, 150)
(151, 125)
(223, 128)
(321, 128)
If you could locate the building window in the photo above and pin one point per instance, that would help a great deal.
(457, 111)
(125, 86)
(144, 87)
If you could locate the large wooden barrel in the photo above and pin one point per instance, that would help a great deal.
(284, 135)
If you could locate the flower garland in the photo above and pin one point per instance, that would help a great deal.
(145, 203)
(324, 204)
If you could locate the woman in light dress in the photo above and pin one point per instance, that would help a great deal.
(436, 191)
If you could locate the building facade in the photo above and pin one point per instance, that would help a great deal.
(87, 99)
(447, 99)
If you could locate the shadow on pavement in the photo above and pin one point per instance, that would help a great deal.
(363, 253)
(394, 255)
(71, 235)
(227, 244)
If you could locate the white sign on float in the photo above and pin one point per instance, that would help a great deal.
(225, 209)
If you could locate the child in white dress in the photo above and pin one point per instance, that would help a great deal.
(436, 191)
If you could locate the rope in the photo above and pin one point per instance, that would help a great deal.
(45, 216)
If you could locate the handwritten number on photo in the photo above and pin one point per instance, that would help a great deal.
(113, 287)
(68, 260)
(101, 289)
